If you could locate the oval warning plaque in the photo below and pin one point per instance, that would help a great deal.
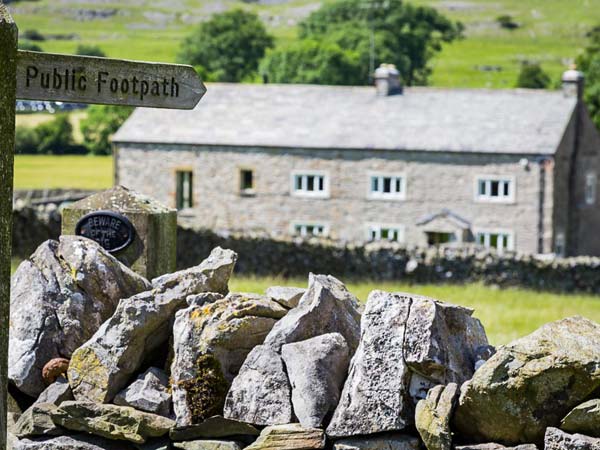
(111, 230)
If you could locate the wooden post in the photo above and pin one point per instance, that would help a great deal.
(8, 89)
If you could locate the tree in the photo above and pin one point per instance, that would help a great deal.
(506, 21)
(313, 62)
(30, 46)
(101, 123)
(532, 76)
(589, 64)
(89, 50)
(229, 46)
(33, 35)
(398, 33)
(26, 140)
(56, 136)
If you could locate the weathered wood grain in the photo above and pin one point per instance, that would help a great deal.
(8, 56)
(85, 79)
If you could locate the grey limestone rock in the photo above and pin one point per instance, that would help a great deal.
(531, 384)
(59, 299)
(213, 428)
(326, 307)
(287, 296)
(583, 419)
(149, 393)
(289, 437)
(375, 396)
(261, 393)
(76, 442)
(162, 443)
(101, 367)
(379, 442)
(37, 421)
(442, 340)
(556, 439)
(316, 369)
(207, 445)
(111, 421)
(433, 416)
(494, 446)
(226, 331)
(57, 392)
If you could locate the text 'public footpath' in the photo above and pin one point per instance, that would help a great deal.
(77, 80)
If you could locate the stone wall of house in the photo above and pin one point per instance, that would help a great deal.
(263, 255)
(588, 163)
(434, 181)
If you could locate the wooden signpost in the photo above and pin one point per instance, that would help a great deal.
(79, 79)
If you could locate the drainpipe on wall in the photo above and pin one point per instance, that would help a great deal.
(541, 205)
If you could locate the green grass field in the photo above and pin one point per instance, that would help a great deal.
(506, 313)
(552, 31)
(77, 172)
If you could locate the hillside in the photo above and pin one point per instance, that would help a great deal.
(551, 31)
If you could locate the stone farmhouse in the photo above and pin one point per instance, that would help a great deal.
(516, 170)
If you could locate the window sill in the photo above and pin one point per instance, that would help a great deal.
(495, 201)
(316, 195)
(248, 193)
(391, 198)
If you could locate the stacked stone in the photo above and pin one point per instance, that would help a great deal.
(102, 358)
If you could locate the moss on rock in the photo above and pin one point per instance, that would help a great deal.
(206, 392)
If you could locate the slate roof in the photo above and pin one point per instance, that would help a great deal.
(513, 121)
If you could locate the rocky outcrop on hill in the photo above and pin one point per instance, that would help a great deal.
(185, 364)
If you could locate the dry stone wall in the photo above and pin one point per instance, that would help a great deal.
(264, 255)
(180, 362)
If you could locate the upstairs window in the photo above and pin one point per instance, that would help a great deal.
(184, 189)
(498, 189)
(501, 241)
(310, 229)
(246, 181)
(591, 182)
(386, 233)
(386, 186)
(310, 184)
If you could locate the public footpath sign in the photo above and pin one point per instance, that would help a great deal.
(78, 79)
(85, 79)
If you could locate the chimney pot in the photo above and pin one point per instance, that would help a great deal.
(573, 83)
(387, 80)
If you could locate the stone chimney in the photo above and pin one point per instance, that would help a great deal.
(573, 82)
(387, 80)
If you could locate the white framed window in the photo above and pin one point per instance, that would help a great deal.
(184, 190)
(306, 229)
(384, 232)
(501, 240)
(591, 182)
(560, 244)
(495, 189)
(387, 186)
(310, 184)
